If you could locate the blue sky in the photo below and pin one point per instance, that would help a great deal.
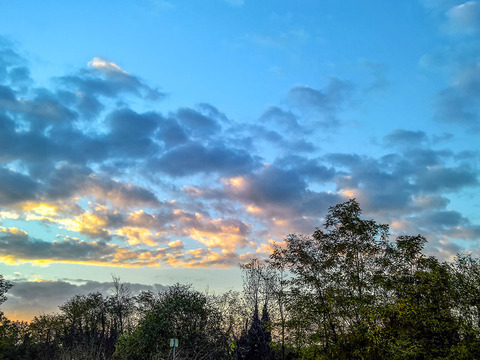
(167, 141)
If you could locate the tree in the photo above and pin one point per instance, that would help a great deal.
(181, 313)
(466, 305)
(255, 344)
(5, 285)
(333, 279)
(278, 286)
(121, 305)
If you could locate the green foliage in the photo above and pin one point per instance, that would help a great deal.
(353, 294)
(182, 313)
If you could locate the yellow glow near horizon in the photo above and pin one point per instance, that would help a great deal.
(37, 279)
(11, 260)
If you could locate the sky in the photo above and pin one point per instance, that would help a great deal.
(168, 141)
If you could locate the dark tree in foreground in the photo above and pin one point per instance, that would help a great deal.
(255, 344)
(181, 313)
(4, 287)
(334, 287)
(353, 294)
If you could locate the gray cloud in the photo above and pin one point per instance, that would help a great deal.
(36, 298)
(199, 125)
(457, 103)
(311, 169)
(280, 117)
(131, 133)
(171, 133)
(377, 71)
(19, 246)
(456, 106)
(195, 158)
(13, 68)
(392, 181)
(405, 138)
(327, 102)
(16, 187)
(448, 223)
(446, 179)
(105, 78)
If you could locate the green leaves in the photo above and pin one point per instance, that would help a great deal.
(182, 313)
(354, 294)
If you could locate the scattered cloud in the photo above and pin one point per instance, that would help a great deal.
(115, 186)
(457, 103)
(464, 17)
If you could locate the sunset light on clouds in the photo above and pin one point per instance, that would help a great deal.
(170, 141)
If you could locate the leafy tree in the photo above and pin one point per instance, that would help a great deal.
(4, 287)
(86, 330)
(183, 313)
(47, 333)
(278, 285)
(121, 305)
(466, 305)
(333, 282)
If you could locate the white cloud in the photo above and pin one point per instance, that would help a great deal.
(464, 17)
(105, 65)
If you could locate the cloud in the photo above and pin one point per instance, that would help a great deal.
(227, 234)
(13, 67)
(67, 181)
(464, 17)
(377, 71)
(405, 138)
(131, 134)
(105, 66)
(18, 247)
(198, 124)
(27, 299)
(439, 178)
(450, 223)
(280, 117)
(393, 181)
(192, 187)
(102, 79)
(203, 258)
(193, 158)
(459, 103)
(327, 102)
(16, 187)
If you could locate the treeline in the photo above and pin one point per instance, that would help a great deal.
(345, 292)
